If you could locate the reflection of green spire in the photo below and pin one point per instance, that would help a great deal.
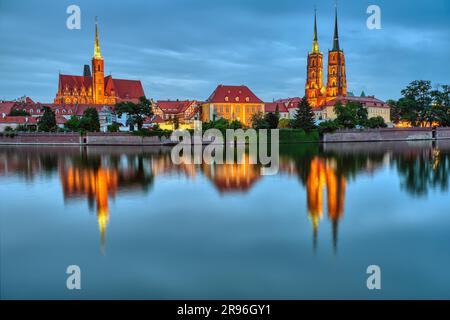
(336, 33)
(335, 235)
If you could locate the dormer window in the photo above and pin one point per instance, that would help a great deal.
(247, 99)
(226, 98)
(237, 99)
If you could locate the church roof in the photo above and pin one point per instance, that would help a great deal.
(233, 94)
(123, 89)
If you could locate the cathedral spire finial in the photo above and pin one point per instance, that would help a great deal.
(97, 53)
(315, 48)
(336, 32)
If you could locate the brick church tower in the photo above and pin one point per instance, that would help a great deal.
(98, 75)
(314, 89)
(336, 82)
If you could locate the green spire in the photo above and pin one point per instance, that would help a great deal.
(315, 48)
(336, 33)
(97, 53)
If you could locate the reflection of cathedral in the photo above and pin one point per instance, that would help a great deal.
(322, 174)
(97, 185)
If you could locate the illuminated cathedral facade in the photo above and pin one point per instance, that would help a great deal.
(96, 88)
(336, 86)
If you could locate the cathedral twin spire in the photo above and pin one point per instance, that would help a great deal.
(316, 93)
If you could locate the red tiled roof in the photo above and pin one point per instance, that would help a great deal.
(128, 89)
(272, 107)
(74, 81)
(5, 107)
(369, 101)
(233, 94)
(18, 120)
(290, 102)
(173, 107)
(155, 119)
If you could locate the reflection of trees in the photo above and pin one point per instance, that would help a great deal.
(422, 170)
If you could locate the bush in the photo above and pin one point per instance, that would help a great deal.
(113, 127)
(328, 127)
(376, 122)
(284, 123)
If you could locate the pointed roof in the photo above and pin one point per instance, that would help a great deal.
(315, 48)
(97, 53)
(336, 32)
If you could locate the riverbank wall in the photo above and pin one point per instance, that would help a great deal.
(388, 134)
(126, 139)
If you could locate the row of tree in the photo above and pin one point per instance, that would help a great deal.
(422, 105)
(352, 115)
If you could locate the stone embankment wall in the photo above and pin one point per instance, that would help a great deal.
(397, 134)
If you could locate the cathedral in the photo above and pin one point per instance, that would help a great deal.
(317, 93)
(96, 88)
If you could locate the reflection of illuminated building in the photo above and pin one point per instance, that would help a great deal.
(97, 185)
(323, 174)
(233, 177)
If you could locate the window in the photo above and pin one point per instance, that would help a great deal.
(237, 109)
(226, 109)
(57, 110)
(226, 98)
(31, 111)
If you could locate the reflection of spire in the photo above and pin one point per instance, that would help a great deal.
(322, 173)
(336, 198)
(96, 185)
(314, 191)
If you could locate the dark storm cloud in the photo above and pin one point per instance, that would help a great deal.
(183, 49)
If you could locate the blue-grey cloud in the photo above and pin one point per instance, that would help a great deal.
(183, 49)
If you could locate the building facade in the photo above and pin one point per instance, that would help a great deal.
(232, 103)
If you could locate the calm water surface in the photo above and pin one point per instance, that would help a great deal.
(140, 227)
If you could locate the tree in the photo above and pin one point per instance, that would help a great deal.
(362, 115)
(259, 121)
(47, 122)
(272, 118)
(114, 127)
(136, 112)
(416, 103)
(20, 113)
(304, 117)
(328, 126)
(350, 115)
(376, 122)
(73, 123)
(91, 120)
(176, 123)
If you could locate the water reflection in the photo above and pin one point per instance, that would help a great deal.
(101, 174)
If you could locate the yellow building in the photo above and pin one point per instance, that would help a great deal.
(232, 103)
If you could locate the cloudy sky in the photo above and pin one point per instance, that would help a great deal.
(184, 48)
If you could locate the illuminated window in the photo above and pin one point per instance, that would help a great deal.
(226, 98)
(247, 99)
(237, 98)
